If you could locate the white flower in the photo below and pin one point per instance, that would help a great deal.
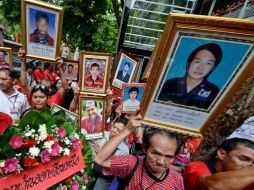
(76, 136)
(66, 141)
(28, 134)
(2, 163)
(60, 149)
(48, 144)
(42, 132)
(34, 151)
(66, 151)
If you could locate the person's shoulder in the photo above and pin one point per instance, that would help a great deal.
(209, 85)
(88, 77)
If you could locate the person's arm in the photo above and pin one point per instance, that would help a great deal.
(108, 102)
(231, 180)
(64, 87)
(23, 79)
(102, 157)
(74, 102)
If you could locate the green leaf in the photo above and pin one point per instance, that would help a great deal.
(46, 115)
(32, 118)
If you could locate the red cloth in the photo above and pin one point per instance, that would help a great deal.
(90, 83)
(88, 124)
(47, 74)
(56, 99)
(5, 121)
(192, 172)
(38, 75)
(196, 169)
(54, 76)
(123, 165)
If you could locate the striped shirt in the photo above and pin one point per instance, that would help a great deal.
(123, 165)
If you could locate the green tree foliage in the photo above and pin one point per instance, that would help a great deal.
(88, 24)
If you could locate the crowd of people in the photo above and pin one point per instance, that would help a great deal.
(129, 155)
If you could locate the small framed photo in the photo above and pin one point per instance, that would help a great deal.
(69, 115)
(71, 69)
(94, 72)
(132, 94)
(92, 116)
(201, 63)
(41, 29)
(125, 72)
(6, 57)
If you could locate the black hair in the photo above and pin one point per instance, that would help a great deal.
(30, 66)
(38, 63)
(70, 65)
(9, 72)
(127, 63)
(150, 132)
(122, 120)
(134, 88)
(95, 65)
(228, 145)
(215, 49)
(39, 15)
(42, 88)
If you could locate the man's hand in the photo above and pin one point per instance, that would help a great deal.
(76, 91)
(109, 93)
(134, 123)
(59, 63)
(22, 55)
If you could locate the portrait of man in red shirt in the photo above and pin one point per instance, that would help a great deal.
(94, 81)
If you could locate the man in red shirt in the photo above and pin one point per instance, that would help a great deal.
(153, 170)
(94, 81)
(229, 168)
(92, 123)
(38, 73)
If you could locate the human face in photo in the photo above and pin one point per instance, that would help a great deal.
(133, 95)
(94, 72)
(91, 112)
(2, 56)
(126, 68)
(42, 26)
(201, 65)
(160, 154)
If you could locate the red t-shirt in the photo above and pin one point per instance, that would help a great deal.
(56, 99)
(47, 75)
(123, 165)
(38, 75)
(196, 169)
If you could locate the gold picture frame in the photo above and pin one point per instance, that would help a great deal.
(6, 57)
(93, 64)
(151, 61)
(166, 102)
(41, 19)
(92, 123)
(55, 108)
(125, 59)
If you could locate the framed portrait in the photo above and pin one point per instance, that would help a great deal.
(6, 57)
(150, 63)
(41, 29)
(92, 116)
(71, 69)
(201, 63)
(69, 115)
(125, 71)
(132, 94)
(94, 72)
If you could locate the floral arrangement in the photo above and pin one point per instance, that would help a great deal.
(38, 138)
